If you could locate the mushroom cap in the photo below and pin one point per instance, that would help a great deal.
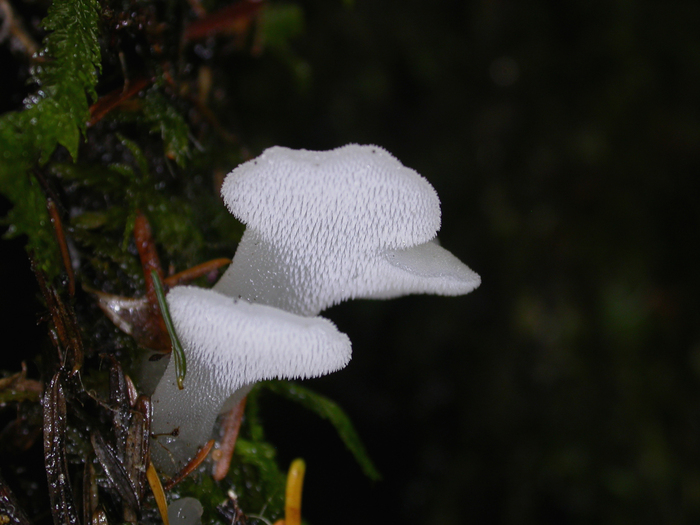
(245, 343)
(354, 192)
(229, 345)
(325, 226)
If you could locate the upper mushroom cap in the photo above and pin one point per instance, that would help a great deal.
(352, 192)
(325, 226)
(230, 345)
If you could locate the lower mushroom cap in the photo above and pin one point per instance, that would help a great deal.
(229, 345)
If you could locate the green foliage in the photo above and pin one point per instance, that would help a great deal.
(331, 412)
(178, 353)
(254, 477)
(107, 231)
(29, 216)
(164, 119)
(66, 73)
(68, 76)
(278, 25)
(264, 483)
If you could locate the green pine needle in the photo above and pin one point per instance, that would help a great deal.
(178, 352)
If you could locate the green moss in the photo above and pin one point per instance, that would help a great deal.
(66, 74)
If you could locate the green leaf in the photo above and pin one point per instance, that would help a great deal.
(178, 351)
(66, 77)
(90, 220)
(18, 396)
(139, 158)
(330, 411)
(175, 228)
(107, 180)
(29, 216)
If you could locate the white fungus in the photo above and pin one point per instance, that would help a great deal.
(230, 345)
(322, 227)
(327, 226)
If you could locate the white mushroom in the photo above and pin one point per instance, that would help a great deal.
(327, 226)
(230, 345)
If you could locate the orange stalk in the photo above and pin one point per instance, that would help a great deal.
(114, 99)
(230, 428)
(191, 466)
(61, 237)
(195, 272)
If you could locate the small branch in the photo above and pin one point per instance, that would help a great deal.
(62, 244)
(230, 427)
(113, 99)
(196, 271)
(191, 466)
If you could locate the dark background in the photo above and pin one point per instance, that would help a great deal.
(563, 139)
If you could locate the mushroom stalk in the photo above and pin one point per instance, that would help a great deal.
(183, 419)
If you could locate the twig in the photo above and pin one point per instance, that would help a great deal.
(62, 244)
(230, 427)
(191, 466)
